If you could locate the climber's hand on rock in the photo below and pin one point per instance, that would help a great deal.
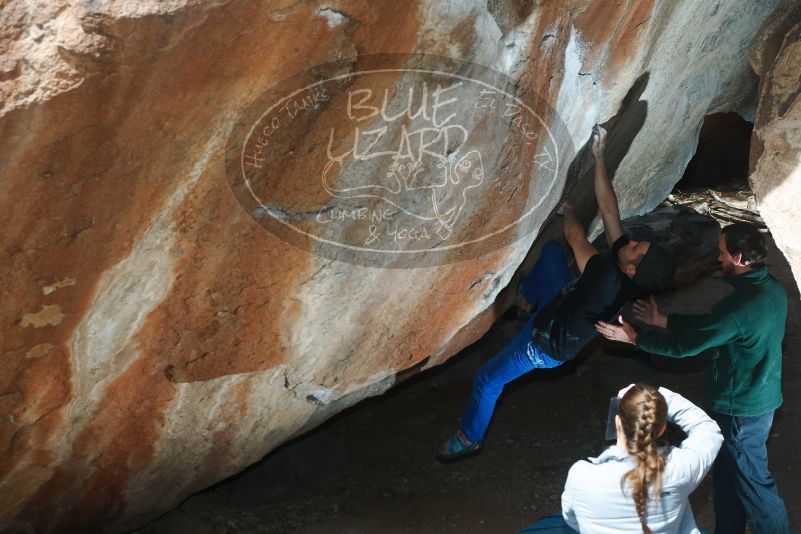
(598, 141)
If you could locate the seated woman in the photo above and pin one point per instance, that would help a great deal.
(634, 486)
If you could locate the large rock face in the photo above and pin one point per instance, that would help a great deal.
(155, 337)
(776, 142)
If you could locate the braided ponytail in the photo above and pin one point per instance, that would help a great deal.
(643, 412)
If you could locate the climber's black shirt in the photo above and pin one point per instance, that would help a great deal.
(567, 323)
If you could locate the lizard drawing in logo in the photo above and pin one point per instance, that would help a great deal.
(431, 187)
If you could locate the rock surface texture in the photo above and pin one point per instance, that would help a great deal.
(776, 142)
(156, 339)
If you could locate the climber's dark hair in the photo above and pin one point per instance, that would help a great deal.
(643, 415)
(743, 238)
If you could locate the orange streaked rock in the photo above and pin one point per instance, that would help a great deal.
(151, 327)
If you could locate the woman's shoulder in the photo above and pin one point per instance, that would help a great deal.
(579, 467)
(582, 470)
(612, 460)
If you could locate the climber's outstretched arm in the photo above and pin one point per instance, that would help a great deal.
(604, 192)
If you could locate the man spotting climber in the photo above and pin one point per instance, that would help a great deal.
(566, 312)
(743, 387)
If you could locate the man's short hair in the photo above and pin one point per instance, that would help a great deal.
(655, 270)
(743, 238)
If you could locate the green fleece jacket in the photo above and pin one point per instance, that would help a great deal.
(745, 331)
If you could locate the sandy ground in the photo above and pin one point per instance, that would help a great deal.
(372, 468)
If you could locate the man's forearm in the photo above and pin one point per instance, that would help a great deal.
(604, 192)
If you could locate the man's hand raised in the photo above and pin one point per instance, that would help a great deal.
(623, 332)
(648, 312)
(598, 141)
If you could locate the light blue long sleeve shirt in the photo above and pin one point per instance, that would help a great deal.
(594, 502)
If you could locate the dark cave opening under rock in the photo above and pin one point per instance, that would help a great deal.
(371, 468)
(715, 181)
(721, 158)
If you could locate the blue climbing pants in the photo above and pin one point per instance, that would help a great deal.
(549, 275)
